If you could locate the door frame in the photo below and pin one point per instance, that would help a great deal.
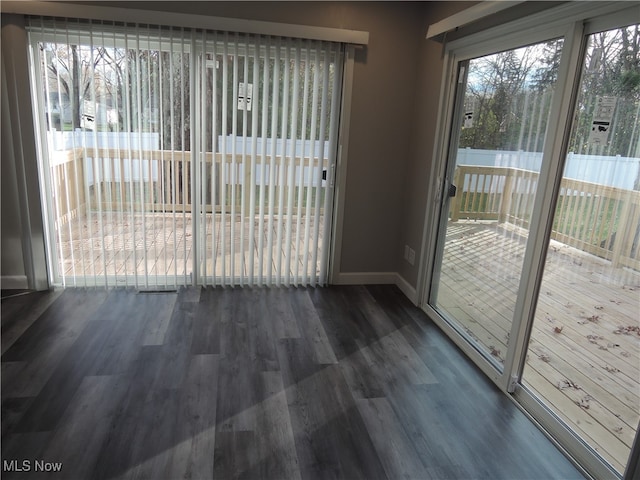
(573, 23)
(455, 56)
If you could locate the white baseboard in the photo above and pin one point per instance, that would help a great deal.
(379, 278)
(406, 288)
(366, 278)
(14, 282)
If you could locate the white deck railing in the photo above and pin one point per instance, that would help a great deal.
(595, 218)
(160, 180)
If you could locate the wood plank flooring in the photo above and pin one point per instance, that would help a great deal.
(337, 383)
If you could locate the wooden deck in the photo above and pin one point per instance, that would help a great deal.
(161, 245)
(584, 353)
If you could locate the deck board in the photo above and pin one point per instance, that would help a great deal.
(583, 299)
(162, 244)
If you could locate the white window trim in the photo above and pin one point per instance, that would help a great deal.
(131, 15)
(339, 176)
(560, 16)
(469, 15)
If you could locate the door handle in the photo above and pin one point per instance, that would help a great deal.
(452, 190)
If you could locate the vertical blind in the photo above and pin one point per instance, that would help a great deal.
(173, 157)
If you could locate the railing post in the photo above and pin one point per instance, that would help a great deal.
(57, 180)
(626, 230)
(122, 184)
(79, 160)
(246, 186)
(66, 177)
(217, 172)
(65, 173)
(187, 184)
(456, 203)
(505, 200)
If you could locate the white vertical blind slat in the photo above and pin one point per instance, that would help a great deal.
(291, 165)
(87, 152)
(283, 165)
(234, 161)
(140, 162)
(252, 177)
(185, 167)
(194, 172)
(172, 180)
(161, 278)
(214, 145)
(99, 170)
(56, 181)
(295, 245)
(203, 120)
(111, 161)
(128, 77)
(263, 165)
(312, 149)
(272, 161)
(74, 145)
(318, 184)
(122, 188)
(243, 179)
(224, 171)
(146, 166)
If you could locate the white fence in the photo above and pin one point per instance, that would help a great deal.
(58, 141)
(619, 172)
(134, 169)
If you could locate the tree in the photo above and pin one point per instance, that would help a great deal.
(495, 93)
(510, 95)
(612, 68)
(72, 67)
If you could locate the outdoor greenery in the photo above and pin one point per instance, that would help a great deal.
(576, 216)
(134, 87)
(581, 216)
(510, 95)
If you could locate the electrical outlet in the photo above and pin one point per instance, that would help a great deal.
(412, 256)
(406, 252)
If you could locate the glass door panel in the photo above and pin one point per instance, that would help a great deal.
(269, 116)
(115, 142)
(584, 353)
(503, 107)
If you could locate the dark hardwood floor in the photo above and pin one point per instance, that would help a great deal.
(338, 383)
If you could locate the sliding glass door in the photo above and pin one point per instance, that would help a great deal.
(172, 157)
(583, 359)
(497, 139)
(535, 267)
